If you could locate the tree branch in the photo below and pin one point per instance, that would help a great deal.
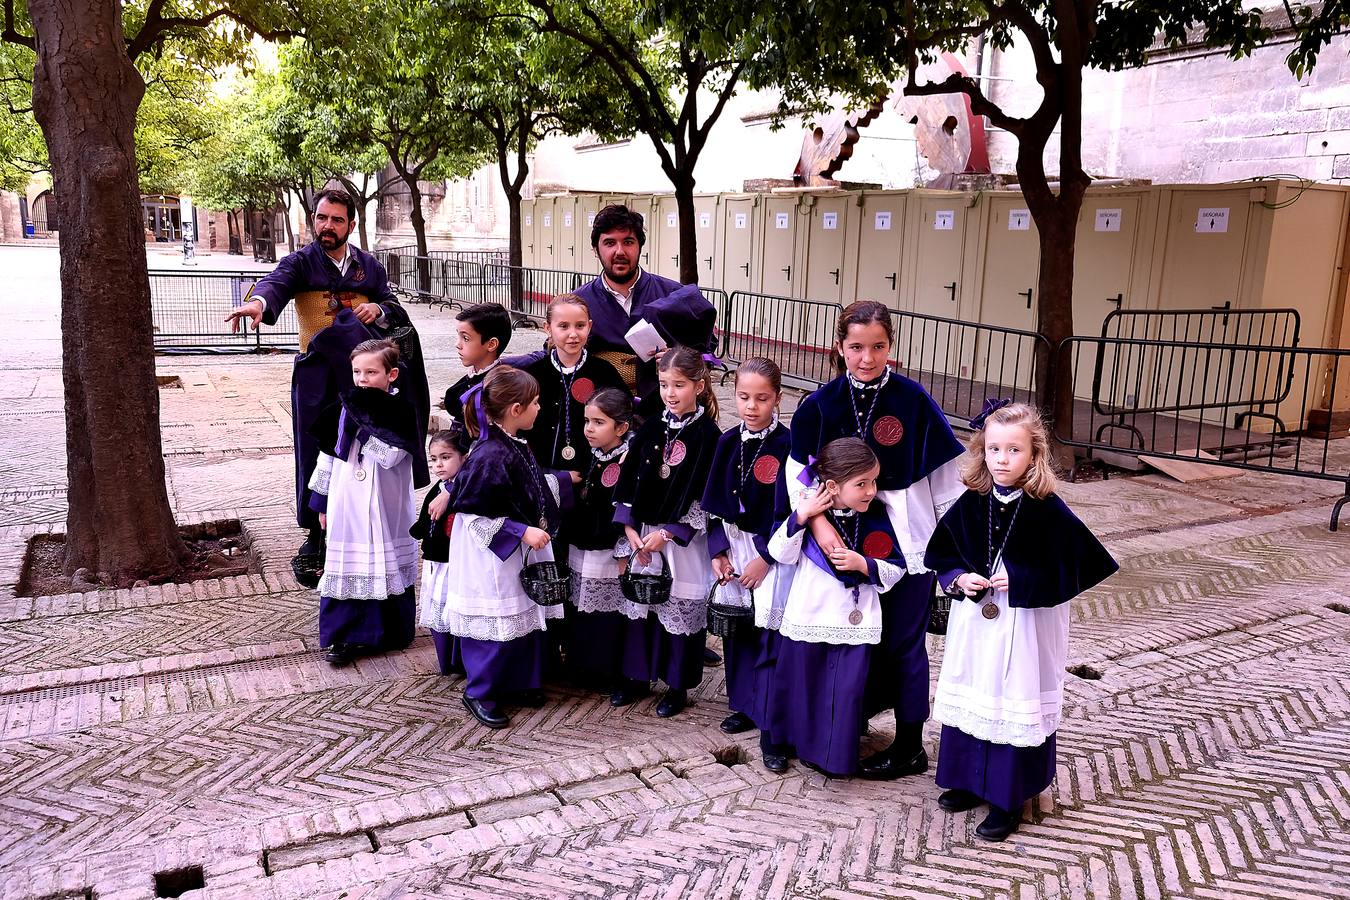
(11, 35)
(157, 27)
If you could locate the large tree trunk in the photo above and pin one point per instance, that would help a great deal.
(85, 95)
(684, 202)
(419, 224)
(1054, 375)
(514, 187)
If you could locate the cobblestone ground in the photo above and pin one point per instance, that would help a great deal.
(145, 731)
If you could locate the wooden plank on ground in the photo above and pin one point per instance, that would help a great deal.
(1189, 470)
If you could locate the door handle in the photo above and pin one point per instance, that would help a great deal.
(745, 267)
(647, 257)
(891, 279)
(1027, 294)
(675, 259)
(571, 251)
(787, 270)
(709, 262)
(550, 249)
(835, 273)
(951, 289)
(1118, 300)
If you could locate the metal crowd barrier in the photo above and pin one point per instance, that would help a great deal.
(188, 310)
(797, 334)
(1247, 406)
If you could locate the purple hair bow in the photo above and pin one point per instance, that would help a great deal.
(479, 408)
(991, 406)
(808, 474)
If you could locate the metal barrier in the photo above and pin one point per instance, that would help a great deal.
(527, 291)
(188, 312)
(1135, 377)
(1261, 420)
(796, 334)
(961, 364)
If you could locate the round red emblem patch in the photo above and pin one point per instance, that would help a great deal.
(888, 431)
(766, 470)
(877, 545)
(583, 389)
(610, 476)
(675, 455)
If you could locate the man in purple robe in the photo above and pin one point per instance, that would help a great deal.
(623, 295)
(323, 278)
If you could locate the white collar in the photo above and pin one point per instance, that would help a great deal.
(1007, 498)
(346, 257)
(607, 455)
(675, 423)
(566, 370)
(748, 435)
(516, 438)
(487, 368)
(632, 286)
(845, 513)
(879, 383)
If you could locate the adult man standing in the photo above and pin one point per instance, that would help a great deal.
(623, 295)
(323, 278)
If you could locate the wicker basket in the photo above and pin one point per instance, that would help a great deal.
(647, 588)
(939, 610)
(725, 619)
(547, 583)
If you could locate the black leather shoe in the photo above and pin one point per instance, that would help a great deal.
(340, 655)
(532, 698)
(490, 718)
(887, 766)
(956, 800)
(998, 824)
(628, 693)
(672, 704)
(736, 723)
(711, 657)
(775, 763)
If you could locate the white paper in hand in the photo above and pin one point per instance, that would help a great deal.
(645, 340)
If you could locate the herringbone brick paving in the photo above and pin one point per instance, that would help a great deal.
(151, 729)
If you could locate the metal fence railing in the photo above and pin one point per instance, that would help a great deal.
(1199, 411)
(188, 312)
(797, 334)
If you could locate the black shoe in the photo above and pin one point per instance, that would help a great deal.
(340, 655)
(998, 824)
(736, 723)
(488, 717)
(711, 657)
(672, 704)
(628, 693)
(532, 698)
(887, 765)
(957, 800)
(775, 763)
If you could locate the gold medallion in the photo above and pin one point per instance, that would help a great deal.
(855, 617)
(989, 610)
(568, 452)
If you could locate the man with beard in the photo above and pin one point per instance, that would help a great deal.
(323, 278)
(624, 295)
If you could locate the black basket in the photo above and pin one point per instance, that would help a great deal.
(724, 619)
(547, 583)
(939, 610)
(645, 587)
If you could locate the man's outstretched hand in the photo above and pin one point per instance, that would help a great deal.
(366, 312)
(253, 310)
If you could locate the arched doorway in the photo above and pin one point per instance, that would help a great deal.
(162, 217)
(44, 214)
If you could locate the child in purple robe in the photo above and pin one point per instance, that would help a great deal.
(658, 503)
(919, 480)
(362, 488)
(506, 514)
(446, 452)
(1012, 555)
(595, 622)
(831, 620)
(739, 500)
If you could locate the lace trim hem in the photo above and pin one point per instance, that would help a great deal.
(828, 634)
(696, 518)
(997, 731)
(598, 595)
(368, 587)
(490, 628)
(485, 530)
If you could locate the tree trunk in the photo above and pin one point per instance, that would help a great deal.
(1054, 374)
(284, 201)
(85, 96)
(684, 202)
(513, 186)
(307, 209)
(419, 224)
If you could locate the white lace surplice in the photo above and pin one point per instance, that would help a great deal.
(369, 555)
(480, 596)
(1002, 679)
(686, 612)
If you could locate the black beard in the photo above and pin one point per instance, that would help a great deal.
(326, 236)
(616, 280)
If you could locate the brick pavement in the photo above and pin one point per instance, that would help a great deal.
(143, 731)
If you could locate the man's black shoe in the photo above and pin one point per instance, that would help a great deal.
(998, 824)
(340, 655)
(736, 723)
(956, 800)
(886, 765)
(711, 657)
(490, 718)
(628, 693)
(672, 704)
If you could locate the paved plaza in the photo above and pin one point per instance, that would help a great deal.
(1205, 748)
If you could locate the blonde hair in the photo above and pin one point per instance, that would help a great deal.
(1039, 479)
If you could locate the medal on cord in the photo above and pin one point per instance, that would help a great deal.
(568, 452)
(990, 609)
(850, 537)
